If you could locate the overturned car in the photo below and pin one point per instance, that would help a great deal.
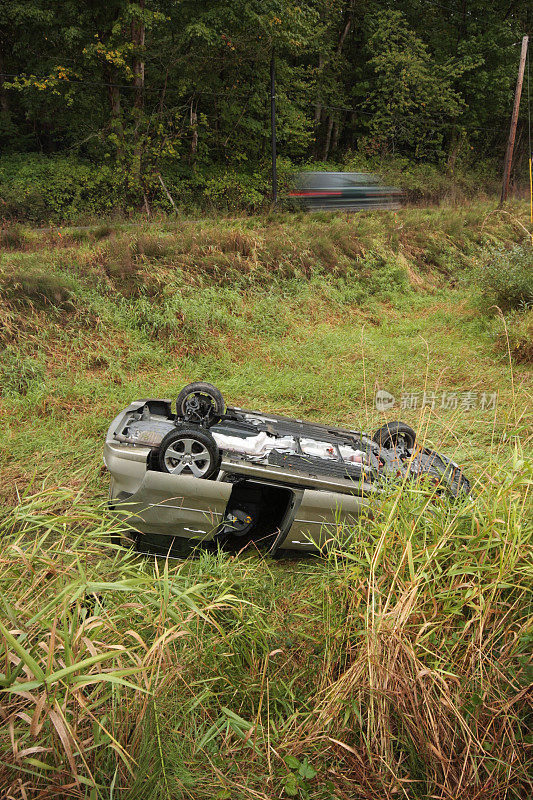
(206, 473)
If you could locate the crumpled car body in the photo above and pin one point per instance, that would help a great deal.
(228, 476)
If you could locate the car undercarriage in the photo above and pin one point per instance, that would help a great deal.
(208, 473)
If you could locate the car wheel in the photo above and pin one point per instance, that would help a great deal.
(189, 451)
(395, 434)
(200, 403)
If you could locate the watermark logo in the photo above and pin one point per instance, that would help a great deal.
(384, 400)
(444, 401)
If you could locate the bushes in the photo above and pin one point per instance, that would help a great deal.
(426, 182)
(506, 283)
(234, 191)
(39, 188)
(506, 278)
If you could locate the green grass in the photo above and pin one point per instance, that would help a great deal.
(395, 669)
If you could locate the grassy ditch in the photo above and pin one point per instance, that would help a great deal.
(395, 668)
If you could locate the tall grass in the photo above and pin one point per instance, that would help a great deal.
(91, 638)
(394, 665)
(432, 697)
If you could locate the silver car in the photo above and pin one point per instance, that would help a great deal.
(203, 473)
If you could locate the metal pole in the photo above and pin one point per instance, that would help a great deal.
(273, 128)
(514, 120)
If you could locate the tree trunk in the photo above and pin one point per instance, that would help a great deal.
(318, 105)
(4, 106)
(137, 38)
(335, 135)
(340, 42)
(194, 130)
(327, 141)
(117, 126)
(345, 31)
(455, 146)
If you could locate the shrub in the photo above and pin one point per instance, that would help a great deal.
(234, 191)
(38, 188)
(506, 279)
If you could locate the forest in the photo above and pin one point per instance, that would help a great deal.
(142, 104)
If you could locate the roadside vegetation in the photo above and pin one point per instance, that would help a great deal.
(111, 108)
(398, 668)
(39, 189)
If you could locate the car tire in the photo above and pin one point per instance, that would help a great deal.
(200, 403)
(189, 451)
(393, 433)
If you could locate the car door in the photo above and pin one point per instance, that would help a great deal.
(176, 506)
(318, 518)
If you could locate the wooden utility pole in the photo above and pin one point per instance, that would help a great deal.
(514, 120)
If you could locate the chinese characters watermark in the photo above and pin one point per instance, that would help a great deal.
(443, 400)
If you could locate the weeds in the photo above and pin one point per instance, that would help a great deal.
(12, 237)
(432, 698)
(398, 662)
(506, 278)
(395, 666)
(19, 374)
(27, 281)
(519, 338)
(88, 640)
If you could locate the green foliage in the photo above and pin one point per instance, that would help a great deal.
(39, 188)
(506, 278)
(517, 338)
(120, 93)
(426, 182)
(411, 94)
(233, 191)
(18, 375)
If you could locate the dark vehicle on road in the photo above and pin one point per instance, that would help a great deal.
(352, 191)
(204, 473)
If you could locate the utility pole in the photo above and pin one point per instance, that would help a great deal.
(273, 128)
(514, 120)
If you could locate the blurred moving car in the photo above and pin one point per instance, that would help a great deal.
(353, 191)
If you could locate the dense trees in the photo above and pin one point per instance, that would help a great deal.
(181, 86)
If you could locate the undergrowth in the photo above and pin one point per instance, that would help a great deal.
(396, 664)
